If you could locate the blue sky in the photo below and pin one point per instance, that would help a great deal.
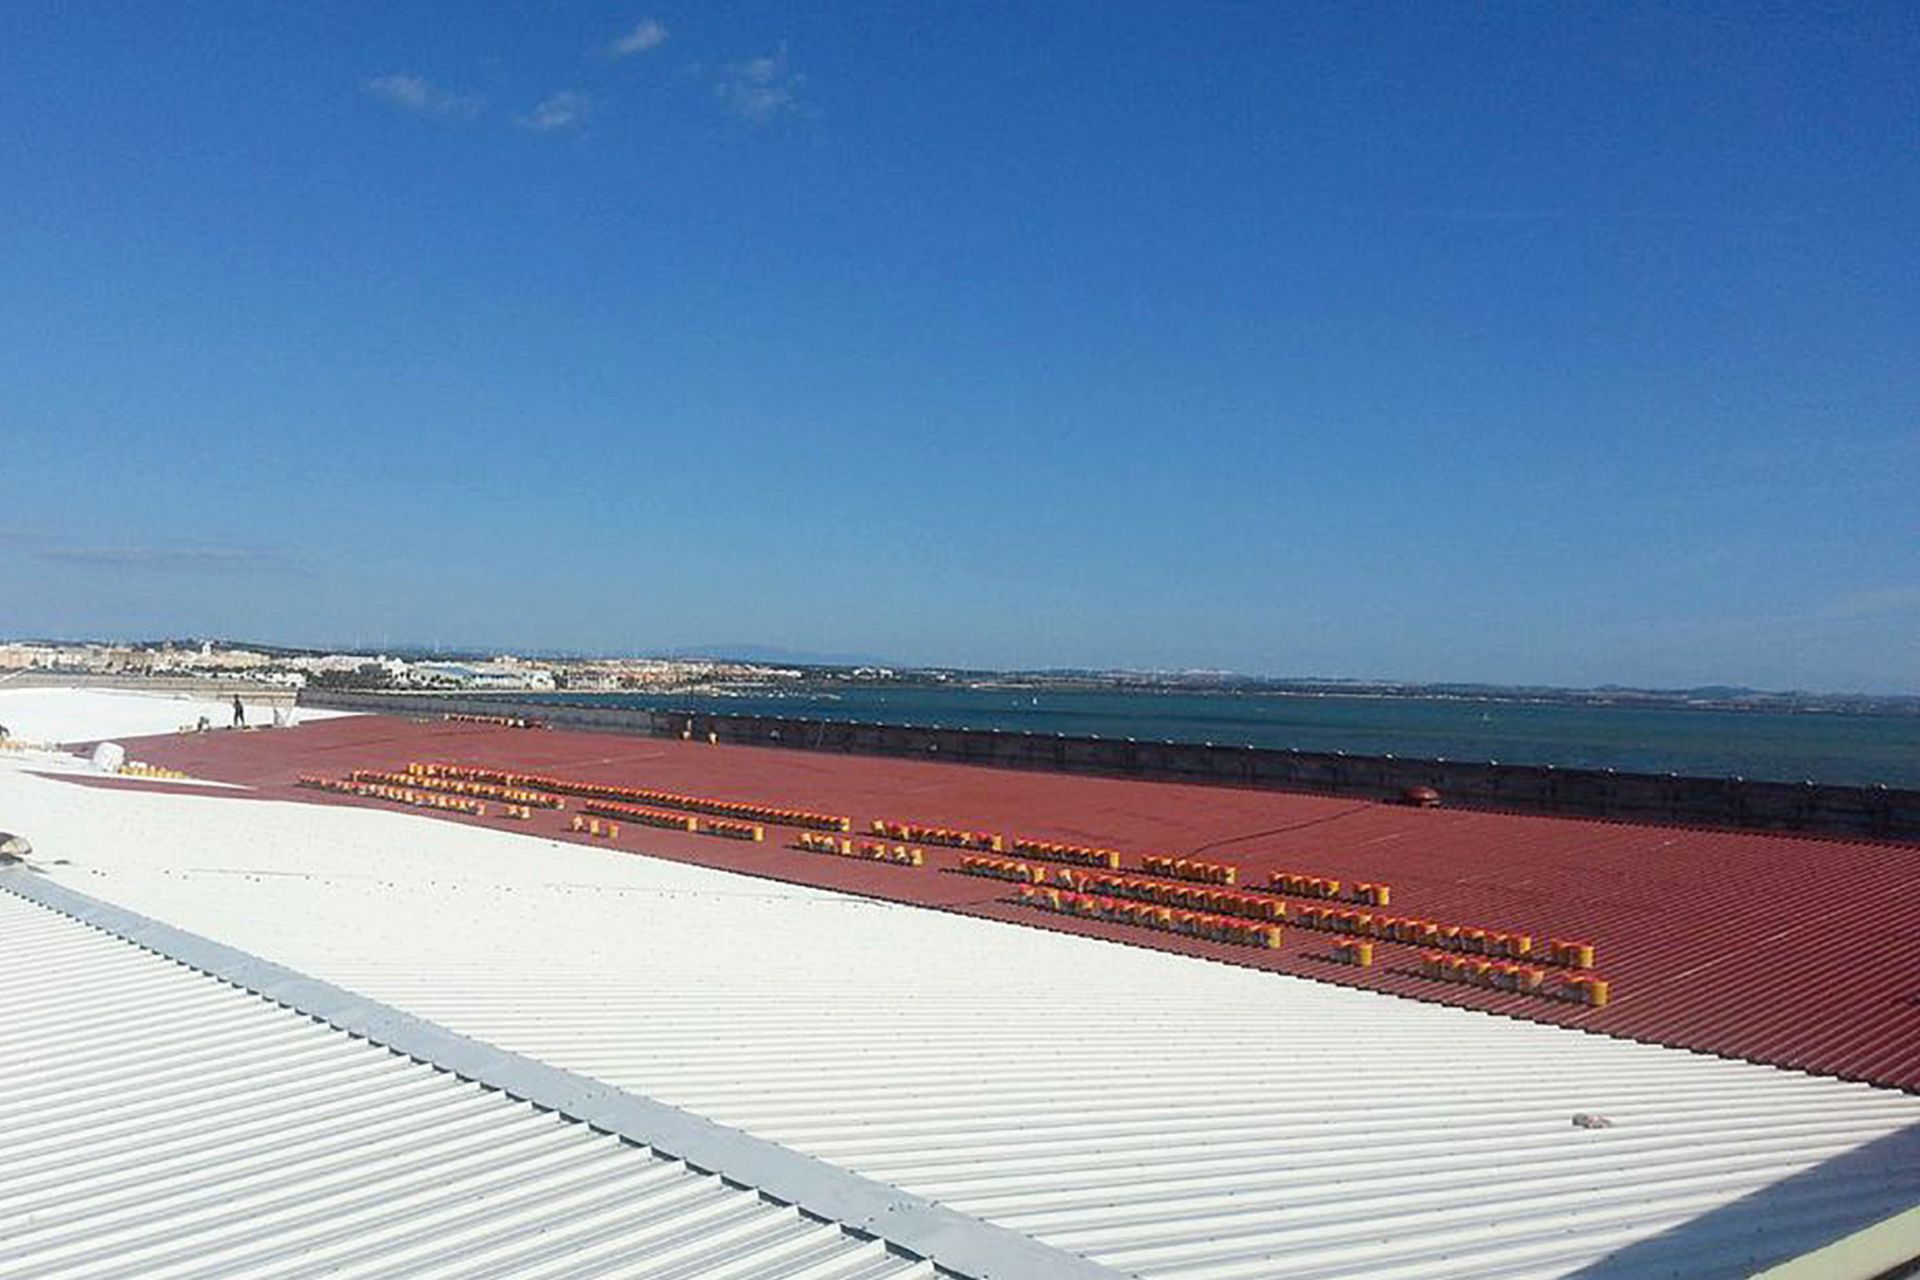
(1568, 343)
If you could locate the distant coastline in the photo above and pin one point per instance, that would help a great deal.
(822, 682)
(762, 673)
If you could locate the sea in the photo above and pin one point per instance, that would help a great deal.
(1830, 747)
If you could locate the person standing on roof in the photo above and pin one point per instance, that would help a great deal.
(239, 713)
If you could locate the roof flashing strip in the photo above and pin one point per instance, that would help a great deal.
(952, 1241)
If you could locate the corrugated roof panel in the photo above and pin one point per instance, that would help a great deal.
(1156, 1113)
(1790, 950)
(155, 1122)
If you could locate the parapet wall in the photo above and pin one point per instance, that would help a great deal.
(1881, 812)
(191, 686)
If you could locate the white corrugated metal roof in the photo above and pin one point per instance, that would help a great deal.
(1161, 1115)
(156, 1122)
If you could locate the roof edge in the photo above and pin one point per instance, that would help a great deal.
(953, 1241)
(1886, 1248)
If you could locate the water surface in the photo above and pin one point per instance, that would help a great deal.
(1791, 747)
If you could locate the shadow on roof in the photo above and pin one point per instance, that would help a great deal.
(1791, 1217)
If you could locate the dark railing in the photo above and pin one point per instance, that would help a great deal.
(1829, 809)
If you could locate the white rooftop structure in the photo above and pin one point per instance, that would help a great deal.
(1131, 1110)
(89, 715)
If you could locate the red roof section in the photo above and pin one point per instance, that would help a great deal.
(1802, 952)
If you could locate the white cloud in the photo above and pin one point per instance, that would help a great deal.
(1876, 602)
(216, 559)
(762, 88)
(649, 33)
(558, 110)
(414, 93)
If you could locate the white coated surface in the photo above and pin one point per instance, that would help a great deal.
(88, 715)
(1159, 1114)
(156, 1122)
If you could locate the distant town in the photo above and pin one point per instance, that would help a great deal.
(416, 671)
(431, 671)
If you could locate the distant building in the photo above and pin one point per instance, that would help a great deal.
(501, 674)
(28, 657)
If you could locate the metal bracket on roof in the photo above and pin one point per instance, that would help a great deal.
(954, 1242)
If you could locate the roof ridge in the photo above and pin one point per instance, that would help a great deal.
(953, 1241)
